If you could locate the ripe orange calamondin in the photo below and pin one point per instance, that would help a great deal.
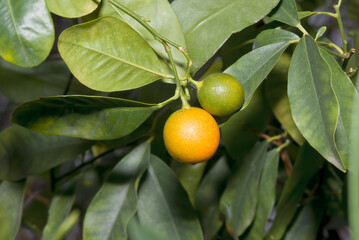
(191, 135)
(220, 94)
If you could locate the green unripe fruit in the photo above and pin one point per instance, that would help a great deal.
(220, 94)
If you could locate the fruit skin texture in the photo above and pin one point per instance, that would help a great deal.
(221, 94)
(191, 135)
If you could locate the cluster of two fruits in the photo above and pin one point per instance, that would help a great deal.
(191, 135)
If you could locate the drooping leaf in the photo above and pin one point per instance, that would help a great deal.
(313, 103)
(286, 12)
(308, 163)
(272, 36)
(108, 55)
(239, 200)
(238, 133)
(276, 93)
(116, 202)
(11, 202)
(27, 32)
(88, 117)
(346, 95)
(208, 196)
(216, 20)
(59, 210)
(72, 9)
(251, 69)
(162, 18)
(48, 79)
(266, 196)
(307, 223)
(24, 152)
(189, 176)
(164, 206)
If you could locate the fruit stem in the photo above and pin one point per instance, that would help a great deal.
(197, 84)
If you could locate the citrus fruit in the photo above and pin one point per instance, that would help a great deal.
(220, 94)
(191, 135)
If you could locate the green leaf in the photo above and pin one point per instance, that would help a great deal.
(164, 206)
(162, 18)
(272, 36)
(27, 32)
(67, 225)
(208, 196)
(313, 103)
(307, 223)
(347, 95)
(304, 14)
(276, 93)
(59, 210)
(108, 55)
(208, 24)
(116, 202)
(237, 133)
(88, 117)
(72, 9)
(286, 12)
(239, 200)
(266, 195)
(48, 79)
(306, 166)
(320, 32)
(11, 202)
(24, 152)
(189, 176)
(251, 69)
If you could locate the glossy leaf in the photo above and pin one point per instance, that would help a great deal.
(313, 103)
(88, 117)
(307, 223)
(320, 32)
(272, 36)
(306, 166)
(347, 95)
(216, 20)
(237, 133)
(48, 79)
(162, 18)
(108, 55)
(27, 32)
(286, 12)
(266, 196)
(116, 202)
(59, 210)
(251, 69)
(24, 152)
(189, 176)
(276, 93)
(239, 200)
(164, 206)
(72, 9)
(11, 202)
(208, 196)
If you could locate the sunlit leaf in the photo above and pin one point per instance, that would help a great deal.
(116, 202)
(88, 117)
(108, 55)
(239, 200)
(24, 152)
(27, 32)
(72, 9)
(164, 207)
(272, 36)
(313, 103)
(208, 24)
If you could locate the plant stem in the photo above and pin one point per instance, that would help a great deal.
(281, 147)
(326, 13)
(332, 45)
(197, 84)
(302, 29)
(340, 23)
(332, 52)
(68, 85)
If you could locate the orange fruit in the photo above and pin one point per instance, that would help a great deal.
(191, 135)
(220, 94)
